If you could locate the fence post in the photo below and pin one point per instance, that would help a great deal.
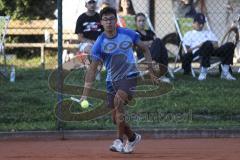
(152, 12)
(42, 57)
(59, 75)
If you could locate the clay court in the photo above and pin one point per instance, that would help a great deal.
(152, 149)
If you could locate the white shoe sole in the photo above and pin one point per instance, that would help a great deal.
(113, 149)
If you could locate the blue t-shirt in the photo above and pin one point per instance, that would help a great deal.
(117, 54)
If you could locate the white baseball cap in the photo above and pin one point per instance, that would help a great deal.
(86, 1)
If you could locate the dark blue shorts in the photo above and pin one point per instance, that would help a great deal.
(127, 85)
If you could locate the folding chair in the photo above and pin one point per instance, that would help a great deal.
(129, 22)
(4, 20)
(183, 25)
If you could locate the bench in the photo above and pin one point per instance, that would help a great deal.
(32, 27)
(39, 28)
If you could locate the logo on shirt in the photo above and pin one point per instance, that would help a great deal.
(111, 46)
(91, 26)
(125, 45)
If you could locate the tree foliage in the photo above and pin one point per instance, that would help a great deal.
(28, 9)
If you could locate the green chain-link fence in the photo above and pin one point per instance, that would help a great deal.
(36, 36)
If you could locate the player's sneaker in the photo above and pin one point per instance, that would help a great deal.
(117, 146)
(128, 148)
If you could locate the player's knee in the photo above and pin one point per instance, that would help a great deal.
(120, 99)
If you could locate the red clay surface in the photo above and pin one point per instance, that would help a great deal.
(173, 149)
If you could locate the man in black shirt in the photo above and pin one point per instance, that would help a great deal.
(88, 26)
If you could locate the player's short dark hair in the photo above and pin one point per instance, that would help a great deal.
(108, 10)
(138, 15)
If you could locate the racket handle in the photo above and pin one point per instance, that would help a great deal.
(75, 99)
(78, 101)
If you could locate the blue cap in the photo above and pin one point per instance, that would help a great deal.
(200, 18)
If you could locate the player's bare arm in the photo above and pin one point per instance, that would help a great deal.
(146, 52)
(90, 77)
(148, 57)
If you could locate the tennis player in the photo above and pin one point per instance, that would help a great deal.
(114, 49)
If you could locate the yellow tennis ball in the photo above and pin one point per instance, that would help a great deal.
(84, 104)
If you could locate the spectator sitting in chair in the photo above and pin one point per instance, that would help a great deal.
(157, 49)
(126, 14)
(205, 44)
